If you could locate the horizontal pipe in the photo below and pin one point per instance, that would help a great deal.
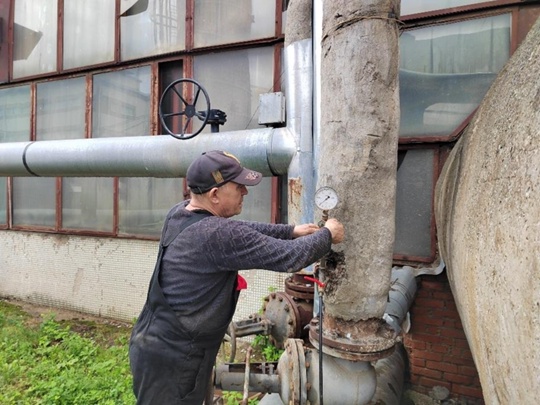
(230, 377)
(266, 150)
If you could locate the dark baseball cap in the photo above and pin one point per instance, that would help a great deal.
(215, 168)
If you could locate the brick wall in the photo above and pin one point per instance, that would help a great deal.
(439, 354)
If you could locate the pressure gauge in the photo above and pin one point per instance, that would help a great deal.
(326, 198)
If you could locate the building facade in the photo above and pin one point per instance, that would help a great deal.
(71, 69)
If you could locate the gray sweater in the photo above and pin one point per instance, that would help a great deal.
(200, 267)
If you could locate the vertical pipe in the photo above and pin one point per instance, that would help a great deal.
(358, 158)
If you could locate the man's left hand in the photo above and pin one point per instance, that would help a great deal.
(304, 229)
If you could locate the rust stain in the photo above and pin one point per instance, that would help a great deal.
(295, 191)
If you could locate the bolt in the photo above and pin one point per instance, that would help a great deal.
(280, 299)
(290, 322)
(267, 298)
(287, 309)
(273, 295)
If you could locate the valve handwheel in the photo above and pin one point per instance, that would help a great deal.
(189, 101)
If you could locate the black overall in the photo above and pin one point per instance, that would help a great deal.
(170, 365)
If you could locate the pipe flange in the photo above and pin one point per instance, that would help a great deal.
(298, 287)
(366, 348)
(282, 312)
(292, 373)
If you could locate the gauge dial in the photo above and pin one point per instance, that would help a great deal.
(326, 198)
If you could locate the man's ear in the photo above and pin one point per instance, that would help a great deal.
(212, 194)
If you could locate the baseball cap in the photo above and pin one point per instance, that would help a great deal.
(215, 168)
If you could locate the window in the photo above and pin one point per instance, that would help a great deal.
(422, 6)
(446, 70)
(14, 127)
(234, 81)
(59, 115)
(152, 27)
(121, 103)
(222, 21)
(35, 33)
(414, 196)
(84, 43)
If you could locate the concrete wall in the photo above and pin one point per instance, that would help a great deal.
(100, 276)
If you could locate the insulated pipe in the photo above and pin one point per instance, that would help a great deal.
(400, 296)
(298, 90)
(266, 150)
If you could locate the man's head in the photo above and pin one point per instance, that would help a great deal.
(218, 181)
(215, 168)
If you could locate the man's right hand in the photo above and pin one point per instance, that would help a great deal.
(336, 229)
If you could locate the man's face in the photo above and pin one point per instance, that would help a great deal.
(231, 196)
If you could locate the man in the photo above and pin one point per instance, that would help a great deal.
(195, 286)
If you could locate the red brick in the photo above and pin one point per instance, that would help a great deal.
(428, 302)
(422, 319)
(418, 362)
(435, 365)
(460, 360)
(417, 310)
(462, 343)
(433, 285)
(424, 329)
(440, 348)
(468, 391)
(458, 379)
(466, 370)
(417, 344)
(445, 313)
(430, 382)
(453, 333)
(426, 372)
(428, 355)
(427, 338)
(443, 295)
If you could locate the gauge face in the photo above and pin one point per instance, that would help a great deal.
(326, 198)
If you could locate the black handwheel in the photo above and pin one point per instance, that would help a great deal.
(176, 123)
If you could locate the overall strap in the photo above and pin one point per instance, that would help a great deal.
(165, 241)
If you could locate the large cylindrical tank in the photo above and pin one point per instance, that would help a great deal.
(488, 221)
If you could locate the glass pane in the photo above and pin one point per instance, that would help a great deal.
(413, 203)
(14, 127)
(84, 43)
(60, 112)
(121, 103)
(446, 71)
(34, 32)
(34, 201)
(234, 81)
(421, 6)
(87, 203)
(15, 114)
(144, 203)
(152, 30)
(3, 201)
(223, 21)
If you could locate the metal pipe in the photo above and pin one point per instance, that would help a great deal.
(301, 183)
(266, 150)
(400, 296)
(262, 377)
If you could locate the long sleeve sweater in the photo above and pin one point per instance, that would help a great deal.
(200, 266)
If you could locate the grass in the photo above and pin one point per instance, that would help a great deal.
(45, 361)
(62, 362)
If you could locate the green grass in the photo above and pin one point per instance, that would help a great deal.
(50, 363)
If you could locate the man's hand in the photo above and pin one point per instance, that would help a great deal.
(304, 229)
(336, 229)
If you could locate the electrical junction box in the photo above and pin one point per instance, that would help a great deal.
(272, 109)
